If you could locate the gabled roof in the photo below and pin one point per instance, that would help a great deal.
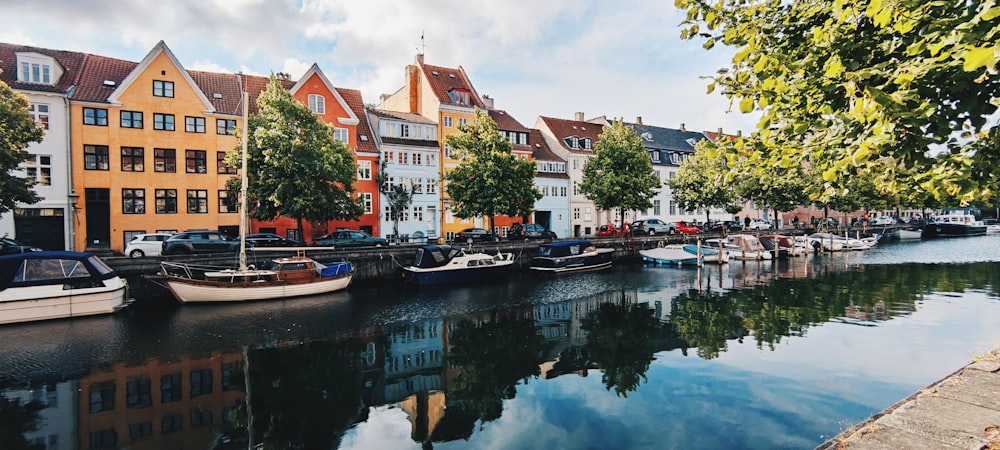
(315, 70)
(223, 90)
(540, 152)
(715, 136)
(659, 138)
(562, 129)
(364, 139)
(90, 85)
(159, 48)
(443, 79)
(71, 63)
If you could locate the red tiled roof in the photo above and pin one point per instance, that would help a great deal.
(96, 69)
(227, 85)
(506, 121)
(542, 152)
(562, 129)
(365, 142)
(407, 116)
(444, 79)
(71, 63)
(716, 135)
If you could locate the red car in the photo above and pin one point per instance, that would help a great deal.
(609, 230)
(685, 228)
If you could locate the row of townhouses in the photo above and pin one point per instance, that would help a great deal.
(138, 147)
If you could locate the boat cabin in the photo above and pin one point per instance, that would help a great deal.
(430, 256)
(564, 248)
(72, 270)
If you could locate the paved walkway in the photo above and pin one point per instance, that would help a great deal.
(962, 411)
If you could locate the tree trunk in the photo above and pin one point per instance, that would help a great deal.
(300, 228)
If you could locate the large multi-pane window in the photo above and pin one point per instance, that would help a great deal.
(220, 164)
(39, 168)
(166, 201)
(227, 204)
(133, 201)
(656, 207)
(39, 112)
(95, 116)
(225, 126)
(448, 122)
(163, 122)
(194, 124)
(95, 157)
(197, 201)
(131, 119)
(165, 160)
(196, 161)
(432, 185)
(163, 88)
(364, 170)
(36, 73)
(317, 103)
(340, 134)
(133, 159)
(366, 199)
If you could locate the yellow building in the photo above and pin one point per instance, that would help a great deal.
(147, 146)
(447, 96)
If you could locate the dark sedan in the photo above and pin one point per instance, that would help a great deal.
(9, 246)
(475, 235)
(350, 238)
(270, 240)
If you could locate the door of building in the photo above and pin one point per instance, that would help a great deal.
(98, 204)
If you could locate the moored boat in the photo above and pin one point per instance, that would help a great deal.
(669, 255)
(55, 285)
(742, 247)
(445, 264)
(906, 234)
(708, 254)
(571, 256)
(955, 222)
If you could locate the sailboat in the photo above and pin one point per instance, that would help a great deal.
(284, 277)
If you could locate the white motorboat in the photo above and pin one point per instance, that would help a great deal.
(445, 264)
(55, 285)
(743, 247)
(669, 255)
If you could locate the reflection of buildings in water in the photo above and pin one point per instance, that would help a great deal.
(58, 419)
(160, 404)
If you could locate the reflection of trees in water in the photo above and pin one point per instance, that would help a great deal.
(493, 357)
(620, 339)
(16, 420)
(787, 307)
(304, 396)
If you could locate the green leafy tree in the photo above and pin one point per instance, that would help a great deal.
(398, 197)
(296, 168)
(701, 181)
(620, 174)
(780, 188)
(17, 130)
(844, 83)
(489, 180)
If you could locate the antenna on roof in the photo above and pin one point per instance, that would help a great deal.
(423, 46)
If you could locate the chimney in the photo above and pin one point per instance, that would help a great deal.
(739, 133)
(413, 85)
(382, 98)
(578, 116)
(720, 131)
(683, 128)
(487, 101)
(638, 120)
(419, 59)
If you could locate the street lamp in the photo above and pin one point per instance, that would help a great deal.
(74, 198)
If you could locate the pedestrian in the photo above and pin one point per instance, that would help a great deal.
(746, 223)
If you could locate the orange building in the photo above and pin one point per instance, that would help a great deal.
(345, 110)
(519, 137)
(147, 148)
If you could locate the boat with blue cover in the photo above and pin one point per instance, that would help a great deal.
(446, 264)
(576, 255)
(670, 255)
(57, 284)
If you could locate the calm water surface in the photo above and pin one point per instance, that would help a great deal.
(761, 355)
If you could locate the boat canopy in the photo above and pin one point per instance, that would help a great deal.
(52, 267)
(564, 248)
(430, 256)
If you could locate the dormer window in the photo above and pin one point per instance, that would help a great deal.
(37, 68)
(460, 97)
(655, 156)
(586, 143)
(317, 103)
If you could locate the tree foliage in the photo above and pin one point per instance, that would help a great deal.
(620, 174)
(846, 83)
(296, 168)
(489, 180)
(398, 197)
(780, 188)
(702, 182)
(17, 131)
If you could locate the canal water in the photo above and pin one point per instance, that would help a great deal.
(782, 354)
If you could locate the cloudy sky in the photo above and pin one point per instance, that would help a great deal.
(549, 58)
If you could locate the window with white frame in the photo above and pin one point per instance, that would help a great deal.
(448, 122)
(39, 168)
(418, 185)
(562, 191)
(655, 156)
(431, 160)
(388, 156)
(404, 157)
(576, 213)
(576, 188)
(39, 112)
(586, 214)
(418, 213)
(36, 72)
(432, 185)
(364, 170)
(366, 200)
(447, 151)
(340, 134)
(462, 121)
(404, 130)
(656, 207)
(317, 103)
(418, 159)
(673, 208)
(522, 138)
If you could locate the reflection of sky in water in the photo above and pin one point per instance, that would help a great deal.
(805, 391)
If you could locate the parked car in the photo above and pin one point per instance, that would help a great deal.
(9, 246)
(475, 234)
(270, 240)
(529, 231)
(759, 224)
(609, 230)
(652, 227)
(147, 244)
(350, 238)
(199, 241)
(883, 221)
(684, 228)
(727, 225)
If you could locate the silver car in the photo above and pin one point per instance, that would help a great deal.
(146, 244)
